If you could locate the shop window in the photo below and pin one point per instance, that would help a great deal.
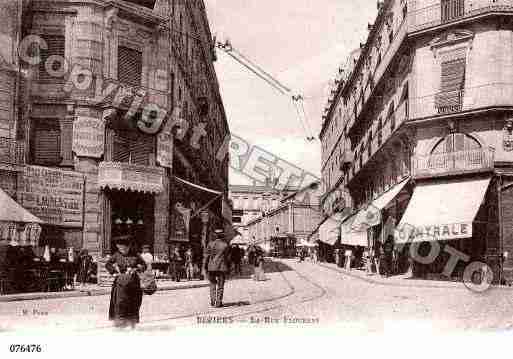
(56, 44)
(129, 66)
(46, 142)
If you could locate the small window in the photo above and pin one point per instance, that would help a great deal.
(56, 45)
(129, 66)
(46, 143)
(133, 147)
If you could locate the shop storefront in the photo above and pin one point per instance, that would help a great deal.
(42, 231)
(457, 214)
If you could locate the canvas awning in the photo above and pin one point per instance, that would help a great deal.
(350, 236)
(371, 216)
(11, 211)
(442, 210)
(384, 200)
(330, 229)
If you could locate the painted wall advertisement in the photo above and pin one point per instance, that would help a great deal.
(53, 195)
(88, 137)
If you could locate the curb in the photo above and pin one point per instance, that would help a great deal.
(395, 283)
(79, 294)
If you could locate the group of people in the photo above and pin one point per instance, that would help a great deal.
(219, 259)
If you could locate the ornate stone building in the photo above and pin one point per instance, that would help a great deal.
(418, 132)
(92, 144)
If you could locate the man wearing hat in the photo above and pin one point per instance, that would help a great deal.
(216, 263)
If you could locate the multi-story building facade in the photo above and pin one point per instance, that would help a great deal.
(289, 221)
(249, 201)
(423, 128)
(93, 144)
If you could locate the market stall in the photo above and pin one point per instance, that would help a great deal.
(19, 234)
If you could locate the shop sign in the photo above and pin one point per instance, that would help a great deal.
(53, 195)
(88, 137)
(165, 149)
(438, 232)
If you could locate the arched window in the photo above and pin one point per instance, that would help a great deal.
(456, 142)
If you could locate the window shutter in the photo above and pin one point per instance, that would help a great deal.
(67, 142)
(141, 148)
(47, 145)
(453, 75)
(56, 45)
(121, 150)
(129, 66)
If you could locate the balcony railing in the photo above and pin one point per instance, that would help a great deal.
(391, 125)
(12, 152)
(496, 94)
(453, 163)
(446, 11)
(449, 102)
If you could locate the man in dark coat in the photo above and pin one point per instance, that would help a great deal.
(216, 263)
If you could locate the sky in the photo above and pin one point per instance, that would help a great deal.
(302, 43)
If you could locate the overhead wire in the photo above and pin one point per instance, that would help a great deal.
(250, 65)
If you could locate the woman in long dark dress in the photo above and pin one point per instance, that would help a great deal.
(126, 294)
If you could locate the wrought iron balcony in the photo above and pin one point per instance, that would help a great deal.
(447, 11)
(488, 95)
(12, 152)
(451, 163)
(449, 102)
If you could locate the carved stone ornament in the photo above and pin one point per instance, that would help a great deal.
(460, 39)
(507, 141)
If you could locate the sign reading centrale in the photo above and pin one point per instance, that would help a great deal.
(88, 137)
(437, 232)
(55, 196)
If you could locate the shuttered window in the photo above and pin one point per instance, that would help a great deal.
(46, 147)
(56, 45)
(133, 147)
(452, 83)
(453, 75)
(129, 66)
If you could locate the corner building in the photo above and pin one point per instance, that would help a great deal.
(75, 155)
(418, 133)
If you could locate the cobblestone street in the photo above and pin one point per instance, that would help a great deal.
(295, 294)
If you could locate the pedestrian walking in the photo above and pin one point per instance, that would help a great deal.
(85, 262)
(259, 265)
(189, 264)
(175, 264)
(236, 258)
(217, 265)
(126, 294)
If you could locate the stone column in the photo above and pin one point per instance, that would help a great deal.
(92, 233)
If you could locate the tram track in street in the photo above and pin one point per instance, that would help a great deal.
(269, 304)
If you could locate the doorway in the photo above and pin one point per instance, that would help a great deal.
(132, 213)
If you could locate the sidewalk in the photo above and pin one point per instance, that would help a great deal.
(96, 290)
(403, 280)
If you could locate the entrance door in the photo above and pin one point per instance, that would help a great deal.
(132, 213)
